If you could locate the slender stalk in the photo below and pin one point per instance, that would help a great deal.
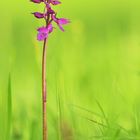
(44, 91)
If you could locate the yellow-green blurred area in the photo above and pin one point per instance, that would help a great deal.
(93, 71)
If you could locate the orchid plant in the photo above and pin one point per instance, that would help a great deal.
(50, 16)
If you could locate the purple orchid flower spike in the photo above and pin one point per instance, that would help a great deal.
(49, 15)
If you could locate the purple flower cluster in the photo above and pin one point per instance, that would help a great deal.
(50, 16)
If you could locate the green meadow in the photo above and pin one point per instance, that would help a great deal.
(93, 72)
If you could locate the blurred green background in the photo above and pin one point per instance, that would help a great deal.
(93, 72)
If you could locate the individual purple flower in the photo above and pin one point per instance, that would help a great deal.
(37, 1)
(60, 22)
(55, 2)
(43, 32)
(39, 15)
(50, 11)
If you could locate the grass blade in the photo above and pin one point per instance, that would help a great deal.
(9, 109)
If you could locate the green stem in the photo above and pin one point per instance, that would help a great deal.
(44, 91)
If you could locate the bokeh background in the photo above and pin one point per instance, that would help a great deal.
(93, 72)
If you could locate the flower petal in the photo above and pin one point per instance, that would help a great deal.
(55, 2)
(37, 1)
(38, 15)
(61, 28)
(54, 18)
(63, 21)
(50, 28)
(41, 36)
(42, 29)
